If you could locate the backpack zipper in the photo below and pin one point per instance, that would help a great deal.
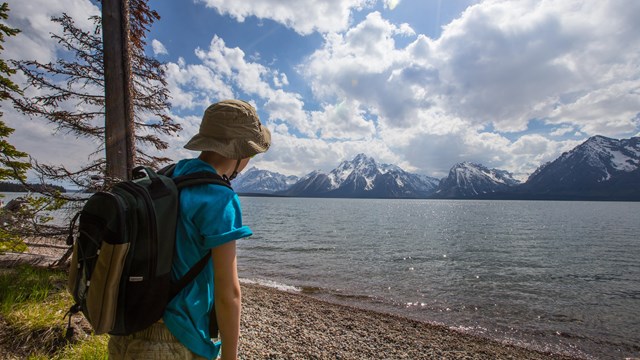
(153, 227)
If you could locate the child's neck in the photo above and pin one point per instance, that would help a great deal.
(222, 165)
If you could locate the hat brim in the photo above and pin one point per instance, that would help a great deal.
(237, 148)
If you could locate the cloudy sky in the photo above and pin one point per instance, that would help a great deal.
(423, 84)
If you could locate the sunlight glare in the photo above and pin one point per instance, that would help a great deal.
(391, 4)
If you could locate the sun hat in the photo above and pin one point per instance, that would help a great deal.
(232, 129)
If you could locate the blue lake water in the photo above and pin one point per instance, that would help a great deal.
(550, 275)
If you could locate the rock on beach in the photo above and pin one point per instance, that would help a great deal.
(277, 324)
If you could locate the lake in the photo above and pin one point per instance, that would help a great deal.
(549, 275)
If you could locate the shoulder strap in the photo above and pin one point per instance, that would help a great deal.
(189, 276)
(186, 279)
(198, 178)
(167, 170)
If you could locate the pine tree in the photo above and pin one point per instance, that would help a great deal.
(13, 163)
(72, 96)
(12, 167)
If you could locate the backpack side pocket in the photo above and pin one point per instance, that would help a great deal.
(72, 282)
(102, 299)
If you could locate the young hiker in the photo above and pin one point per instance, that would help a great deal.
(210, 220)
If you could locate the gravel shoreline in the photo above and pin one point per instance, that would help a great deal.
(278, 324)
(285, 325)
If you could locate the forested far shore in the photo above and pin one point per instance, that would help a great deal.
(13, 187)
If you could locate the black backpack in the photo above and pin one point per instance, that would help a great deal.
(120, 273)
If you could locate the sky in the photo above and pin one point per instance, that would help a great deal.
(423, 84)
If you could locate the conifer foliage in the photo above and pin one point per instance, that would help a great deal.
(12, 161)
(70, 95)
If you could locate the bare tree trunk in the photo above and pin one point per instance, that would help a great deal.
(118, 103)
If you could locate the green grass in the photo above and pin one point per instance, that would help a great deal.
(27, 284)
(33, 302)
(94, 348)
(15, 245)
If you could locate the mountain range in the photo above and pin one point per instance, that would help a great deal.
(601, 168)
(472, 180)
(257, 181)
(363, 177)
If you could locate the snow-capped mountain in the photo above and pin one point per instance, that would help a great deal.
(600, 167)
(314, 183)
(262, 181)
(468, 179)
(364, 177)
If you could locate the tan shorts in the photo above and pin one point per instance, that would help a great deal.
(155, 342)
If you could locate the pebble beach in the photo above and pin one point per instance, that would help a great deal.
(278, 324)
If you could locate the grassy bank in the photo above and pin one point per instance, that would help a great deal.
(33, 302)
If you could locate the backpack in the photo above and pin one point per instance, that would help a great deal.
(120, 272)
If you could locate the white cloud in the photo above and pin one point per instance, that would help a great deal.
(293, 155)
(195, 85)
(343, 121)
(158, 48)
(231, 64)
(302, 140)
(280, 80)
(531, 151)
(380, 88)
(561, 131)
(45, 145)
(365, 65)
(224, 69)
(609, 111)
(434, 154)
(303, 16)
(33, 18)
(391, 4)
(503, 63)
(510, 61)
(176, 151)
(286, 107)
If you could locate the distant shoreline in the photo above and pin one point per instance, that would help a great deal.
(20, 188)
(484, 198)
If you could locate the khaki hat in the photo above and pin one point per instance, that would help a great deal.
(232, 129)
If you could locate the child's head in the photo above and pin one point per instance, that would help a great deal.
(232, 129)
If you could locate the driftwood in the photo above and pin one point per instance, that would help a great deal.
(43, 252)
(13, 259)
